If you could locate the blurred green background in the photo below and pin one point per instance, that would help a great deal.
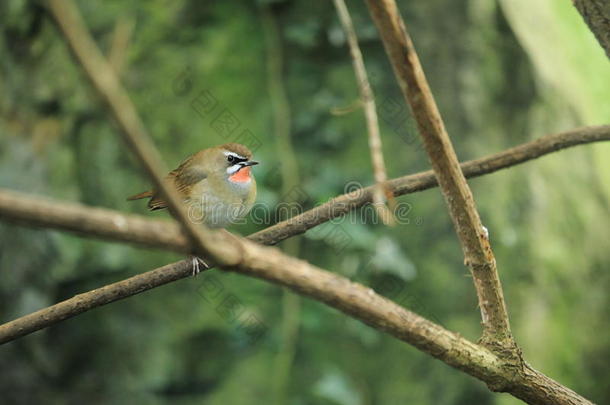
(503, 73)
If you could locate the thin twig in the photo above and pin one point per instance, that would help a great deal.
(478, 255)
(120, 41)
(353, 106)
(370, 113)
(113, 225)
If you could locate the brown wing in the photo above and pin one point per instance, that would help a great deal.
(146, 194)
(184, 178)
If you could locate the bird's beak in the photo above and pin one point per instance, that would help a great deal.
(249, 163)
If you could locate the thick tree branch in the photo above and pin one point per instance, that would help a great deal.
(478, 255)
(354, 299)
(92, 222)
(351, 298)
(596, 14)
(370, 114)
(117, 226)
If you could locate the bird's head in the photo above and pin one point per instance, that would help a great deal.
(233, 160)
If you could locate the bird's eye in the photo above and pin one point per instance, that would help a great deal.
(230, 158)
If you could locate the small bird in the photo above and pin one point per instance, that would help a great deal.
(216, 185)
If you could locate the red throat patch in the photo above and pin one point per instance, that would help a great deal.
(242, 175)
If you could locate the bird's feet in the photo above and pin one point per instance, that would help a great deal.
(198, 265)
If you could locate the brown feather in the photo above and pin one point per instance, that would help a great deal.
(145, 194)
(156, 203)
(184, 178)
(237, 148)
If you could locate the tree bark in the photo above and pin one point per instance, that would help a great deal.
(596, 14)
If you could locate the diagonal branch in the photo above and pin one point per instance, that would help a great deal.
(117, 226)
(471, 233)
(336, 291)
(370, 113)
(213, 244)
(596, 14)
(351, 298)
(425, 180)
(478, 255)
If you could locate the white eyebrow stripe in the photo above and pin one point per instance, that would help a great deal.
(227, 153)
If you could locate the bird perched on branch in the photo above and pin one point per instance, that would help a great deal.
(216, 185)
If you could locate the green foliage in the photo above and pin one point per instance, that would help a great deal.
(497, 84)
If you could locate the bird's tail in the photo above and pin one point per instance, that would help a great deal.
(146, 194)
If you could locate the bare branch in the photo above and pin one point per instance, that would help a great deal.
(478, 255)
(214, 244)
(117, 226)
(80, 303)
(596, 14)
(342, 204)
(91, 221)
(351, 298)
(370, 113)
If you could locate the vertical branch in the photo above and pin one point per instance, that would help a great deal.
(478, 255)
(291, 303)
(370, 113)
(120, 42)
